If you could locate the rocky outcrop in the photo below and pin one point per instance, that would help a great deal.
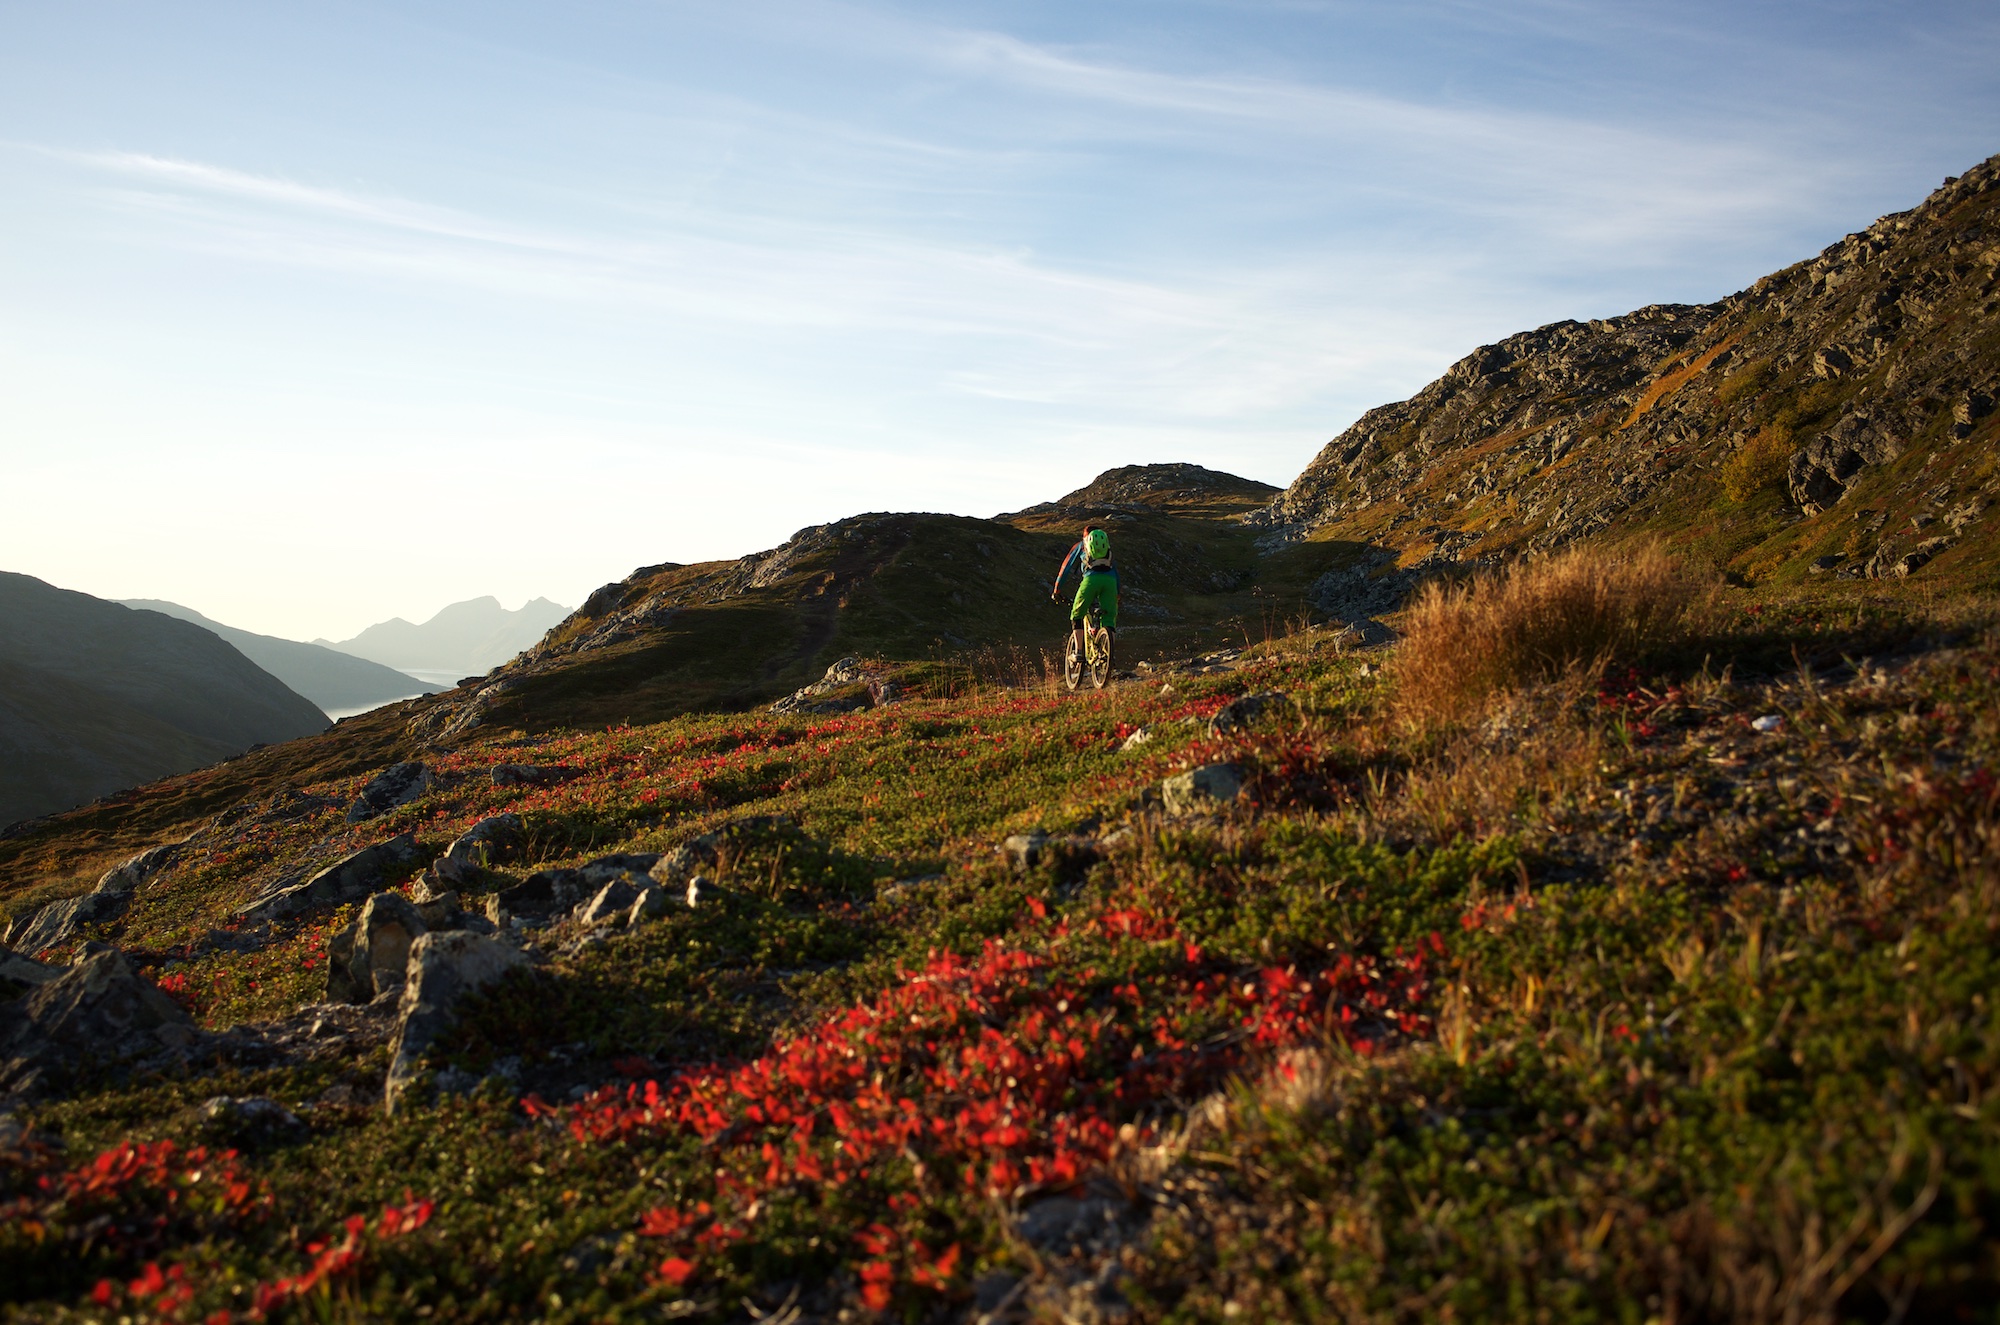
(368, 959)
(823, 695)
(1836, 368)
(99, 1014)
(443, 970)
(349, 879)
(59, 922)
(1822, 470)
(399, 784)
(492, 841)
(548, 894)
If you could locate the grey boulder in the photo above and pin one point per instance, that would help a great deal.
(443, 970)
(491, 841)
(395, 785)
(1246, 711)
(100, 1011)
(349, 879)
(369, 957)
(1201, 789)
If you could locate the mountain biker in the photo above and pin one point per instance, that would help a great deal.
(1098, 582)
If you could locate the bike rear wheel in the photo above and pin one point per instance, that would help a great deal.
(1072, 662)
(1100, 663)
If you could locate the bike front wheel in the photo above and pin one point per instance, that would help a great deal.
(1072, 663)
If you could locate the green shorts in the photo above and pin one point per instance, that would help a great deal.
(1100, 587)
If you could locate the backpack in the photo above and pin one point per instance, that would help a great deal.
(1097, 550)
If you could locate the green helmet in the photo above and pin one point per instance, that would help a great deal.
(1097, 545)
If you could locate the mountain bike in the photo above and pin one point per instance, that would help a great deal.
(1095, 657)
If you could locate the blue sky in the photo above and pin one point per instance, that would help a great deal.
(313, 314)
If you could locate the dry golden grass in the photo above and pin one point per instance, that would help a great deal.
(1669, 382)
(1465, 643)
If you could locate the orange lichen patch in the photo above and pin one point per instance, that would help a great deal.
(1667, 383)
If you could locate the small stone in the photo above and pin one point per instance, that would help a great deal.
(1201, 789)
(395, 785)
(1245, 711)
(701, 892)
(652, 902)
(1768, 724)
(525, 775)
(1135, 740)
(610, 904)
(1024, 850)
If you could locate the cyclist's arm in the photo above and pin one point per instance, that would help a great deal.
(1068, 557)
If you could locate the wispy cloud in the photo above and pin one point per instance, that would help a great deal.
(1054, 335)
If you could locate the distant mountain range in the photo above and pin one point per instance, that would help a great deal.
(464, 639)
(338, 682)
(95, 697)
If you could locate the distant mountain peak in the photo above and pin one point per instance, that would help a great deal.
(459, 639)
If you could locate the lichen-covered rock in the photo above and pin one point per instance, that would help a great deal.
(368, 958)
(492, 841)
(1202, 789)
(99, 1012)
(395, 785)
(19, 974)
(348, 879)
(59, 922)
(442, 970)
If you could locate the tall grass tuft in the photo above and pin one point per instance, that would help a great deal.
(1465, 643)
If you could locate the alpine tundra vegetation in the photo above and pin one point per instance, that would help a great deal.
(1544, 865)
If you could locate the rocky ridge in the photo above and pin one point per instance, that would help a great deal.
(1793, 400)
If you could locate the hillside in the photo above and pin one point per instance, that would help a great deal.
(464, 639)
(1611, 937)
(1606, 997)
(1834, 420)
(100, 697)
(674, 639)
(335, 681)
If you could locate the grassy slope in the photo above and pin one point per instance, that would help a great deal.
(1594, 1011)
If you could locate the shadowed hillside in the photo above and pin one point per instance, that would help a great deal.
(101, 697)
(330, 679)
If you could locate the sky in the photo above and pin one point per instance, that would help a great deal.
(316, 314)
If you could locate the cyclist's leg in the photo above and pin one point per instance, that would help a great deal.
(1078, 609)
(1101, 588)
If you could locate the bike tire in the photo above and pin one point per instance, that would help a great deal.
(1072, 662)
(1100, 666)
